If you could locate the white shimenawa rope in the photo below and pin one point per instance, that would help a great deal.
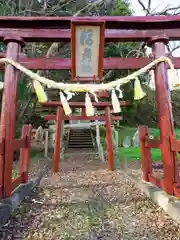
(91, 88)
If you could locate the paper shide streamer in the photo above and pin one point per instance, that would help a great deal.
(65, 104)
(138, 92)
(115, 102)
(39, 89)
(89, 106)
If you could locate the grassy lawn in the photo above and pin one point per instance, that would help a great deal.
(133, 153)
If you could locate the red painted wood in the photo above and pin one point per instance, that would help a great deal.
(2, 154)
(109, 63)
(52, 117)
(109, 144)
(175, 145)
(44, 63)
(104, 94)
(156, 181)
(152, 143)
(57, 147)
(2, 148)
(101, 50)
(15, 182)
(81, 104)
(165, 119)
(177, 190)
(25, 152)
(146, 159)
(73, 51)
(115, 22)
(9, 114)
(61, 35)
(83, 112)
(19, 143)
(93, 118)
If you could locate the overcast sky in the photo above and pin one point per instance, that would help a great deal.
(158, 5)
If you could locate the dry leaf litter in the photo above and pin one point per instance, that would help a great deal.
(86, 201)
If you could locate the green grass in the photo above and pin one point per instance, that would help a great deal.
(133, 153)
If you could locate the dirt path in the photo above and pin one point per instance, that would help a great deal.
(86, 201)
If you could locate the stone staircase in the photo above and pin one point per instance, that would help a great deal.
(80, 139)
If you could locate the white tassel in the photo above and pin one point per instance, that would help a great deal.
(69, 95)
(39, 89)
(65, 104)
(95, 96)
(1, 85)
(89, 106)
(120, 93)
(138, 92)
(115, 102)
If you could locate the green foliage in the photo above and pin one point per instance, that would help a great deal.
(123, 50)
(121, 8)
(23, 89)
(57, 8)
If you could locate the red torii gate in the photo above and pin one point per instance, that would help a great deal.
(59, 117)
(158, 30)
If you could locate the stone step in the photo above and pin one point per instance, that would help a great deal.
(79, 131)
(81, 135)
(80, 143)
(84, 147)
(80, 138)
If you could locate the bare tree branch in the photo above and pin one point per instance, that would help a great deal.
(166, 11)
(149, 5)
(150, 12)
(144, 8)
(170, 51)
(53, 48)
(88, 7)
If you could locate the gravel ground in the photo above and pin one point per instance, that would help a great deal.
(86, 201)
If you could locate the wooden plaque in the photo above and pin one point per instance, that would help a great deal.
(87, 50)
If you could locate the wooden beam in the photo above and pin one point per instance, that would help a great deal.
(93, 118)
(25, 153)
(152, 143)
(16, 181)
(60, 35)
(113, 22)
(109, 143)
(8, 113)
(146, 158)
(56, 157)
(44, 63)
(19, 143)
(81, 104)
(53, 117)
(164, 114)
(156, 181)
(175, 145)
